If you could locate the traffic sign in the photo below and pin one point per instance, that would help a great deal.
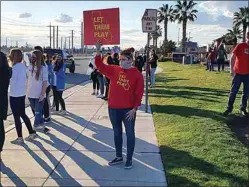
(149, 20)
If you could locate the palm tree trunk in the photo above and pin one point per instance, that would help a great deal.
(184, 30)
(244, 33)
(166, 30)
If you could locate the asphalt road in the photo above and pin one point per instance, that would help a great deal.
(72, 79)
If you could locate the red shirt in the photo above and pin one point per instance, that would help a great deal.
(126, 85)
(241, 65)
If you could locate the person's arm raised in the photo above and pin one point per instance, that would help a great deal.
(104, 69)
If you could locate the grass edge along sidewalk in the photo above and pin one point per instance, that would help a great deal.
(198, 148)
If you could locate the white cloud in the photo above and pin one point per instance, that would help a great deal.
(63, 18)
(25, 15)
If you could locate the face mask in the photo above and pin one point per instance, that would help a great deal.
(125, 64)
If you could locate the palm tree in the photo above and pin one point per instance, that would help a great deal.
(233, 35)
(156, 35)
(185, 12)
(165, 14)
(241, 18)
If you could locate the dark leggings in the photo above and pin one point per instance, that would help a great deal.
(17, 105)
(58, 99)
(2, 135)
(46, 109)
(95, 83)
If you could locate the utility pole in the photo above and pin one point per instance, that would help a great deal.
(72, 41)
(6, 42)
(69, 44)
(50, 36)
(65, 44)
(53, 36)
(57, 35)
(178, 35)
(82, 38)
(16, 43)
(61, 42)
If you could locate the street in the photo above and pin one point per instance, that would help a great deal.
(71, 79)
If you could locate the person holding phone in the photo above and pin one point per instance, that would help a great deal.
(36, 89)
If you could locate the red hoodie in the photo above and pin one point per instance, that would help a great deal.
(126, 86)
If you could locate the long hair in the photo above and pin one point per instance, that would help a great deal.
(15, 56)
(38, 63)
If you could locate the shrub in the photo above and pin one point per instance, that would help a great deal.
(164, 59)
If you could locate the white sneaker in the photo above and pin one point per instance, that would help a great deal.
(55, 112)
(100, 96)
(63, 112)
(31, 137)
(18, 141)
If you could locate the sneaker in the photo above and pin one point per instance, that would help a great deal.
(128, 165)
(100, 96)
(116, 161)
(97, 93)
(47, 120)
(55, 112)
(63, 112)
(93, 93)
(39, 127)
(227, 113)
(31, 137)
(18, 141)
(243, 112)
(46, 130)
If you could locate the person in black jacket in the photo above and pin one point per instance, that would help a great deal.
(116, 59)
(139, 63)
(4, 85)
(153, 65)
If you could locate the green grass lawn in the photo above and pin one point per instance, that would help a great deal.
(198, 147)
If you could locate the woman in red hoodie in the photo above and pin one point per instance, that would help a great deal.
(125, 96)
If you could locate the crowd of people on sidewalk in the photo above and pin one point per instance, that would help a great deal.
(33, 80)
(117, 78)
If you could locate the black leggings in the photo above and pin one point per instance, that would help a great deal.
(2, 135)
(46, 109)
(95, 81)
(58, 99)
(17, 105)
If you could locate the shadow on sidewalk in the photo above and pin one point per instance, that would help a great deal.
(12, 176)
(58, 172)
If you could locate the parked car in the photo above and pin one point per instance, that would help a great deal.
(68, 59)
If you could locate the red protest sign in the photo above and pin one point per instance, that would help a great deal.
(102, 25)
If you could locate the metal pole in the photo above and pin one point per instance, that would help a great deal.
(57, 39)
(147, 73)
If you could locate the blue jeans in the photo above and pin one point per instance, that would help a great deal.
(117, 116)
(152, 75)
(101, 84)
(237, 80)
(38, 109)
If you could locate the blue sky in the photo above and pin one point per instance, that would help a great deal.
(214, 18)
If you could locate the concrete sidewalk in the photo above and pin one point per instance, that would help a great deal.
(77, 151)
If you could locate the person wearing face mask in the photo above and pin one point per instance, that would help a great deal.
(125, 96)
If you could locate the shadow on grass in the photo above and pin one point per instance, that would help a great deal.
(169, 79)
(240, 126)
(183, 94)
(205, 91)
(185, 111)
(184, 160)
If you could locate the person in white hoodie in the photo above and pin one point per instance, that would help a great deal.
(17, 95)
(37, 85)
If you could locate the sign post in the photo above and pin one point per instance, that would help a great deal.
(149, 25)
